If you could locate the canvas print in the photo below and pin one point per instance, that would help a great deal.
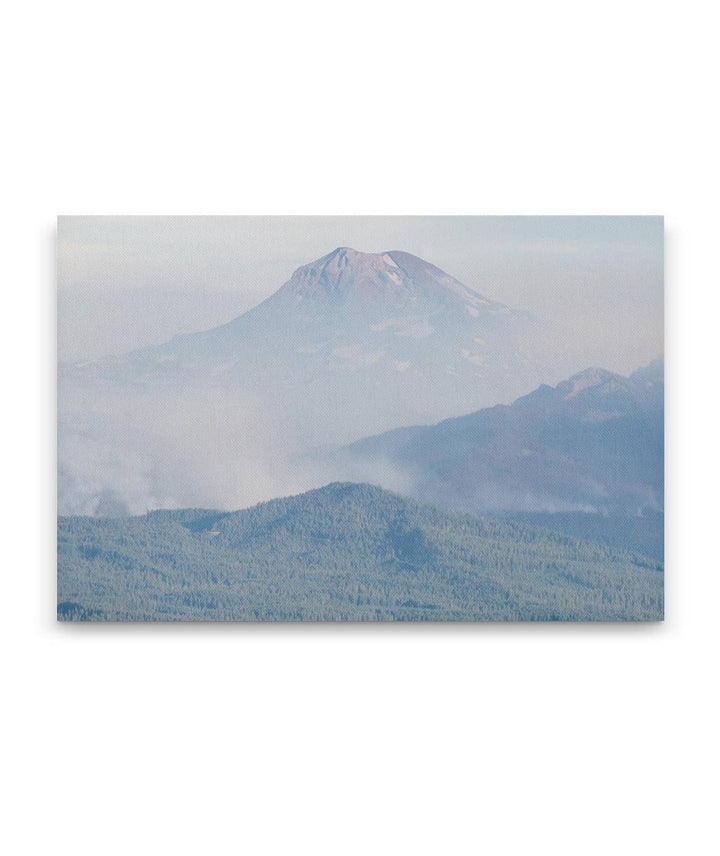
(360, 419)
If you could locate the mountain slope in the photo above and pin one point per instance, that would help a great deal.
(343, 552)
(593, 443)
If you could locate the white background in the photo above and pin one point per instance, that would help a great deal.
(331, 739)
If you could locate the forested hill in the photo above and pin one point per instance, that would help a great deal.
(343, 552)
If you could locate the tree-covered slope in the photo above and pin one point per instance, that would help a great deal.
(644, 534)
(343, 552)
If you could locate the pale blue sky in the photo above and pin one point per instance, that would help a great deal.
(125, 282)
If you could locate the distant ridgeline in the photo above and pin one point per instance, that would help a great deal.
(593, 443)
(346, 552)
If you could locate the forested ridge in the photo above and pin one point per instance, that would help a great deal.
(643, 533)
(343, 552)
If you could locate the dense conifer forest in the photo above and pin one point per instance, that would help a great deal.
(642, 533)
(347, 552)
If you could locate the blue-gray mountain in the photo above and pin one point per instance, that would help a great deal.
(343, 552)
(353, 344)
(593, 443)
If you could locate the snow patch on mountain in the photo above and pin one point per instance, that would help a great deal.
(411, 328)
(476, 359)
(353, 357)
(415, 330)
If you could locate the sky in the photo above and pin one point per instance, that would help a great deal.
(126, 282)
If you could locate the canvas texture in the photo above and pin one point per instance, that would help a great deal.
(360, 419)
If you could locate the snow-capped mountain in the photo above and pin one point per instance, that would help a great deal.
(353, 344)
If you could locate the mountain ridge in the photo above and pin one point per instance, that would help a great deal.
(593, 443)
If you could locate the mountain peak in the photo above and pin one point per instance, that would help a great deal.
(343, 273)
(348, 251)
(586, 379)
(347, 254)
(393, 277)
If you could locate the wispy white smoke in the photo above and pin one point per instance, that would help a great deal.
(130, 453)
